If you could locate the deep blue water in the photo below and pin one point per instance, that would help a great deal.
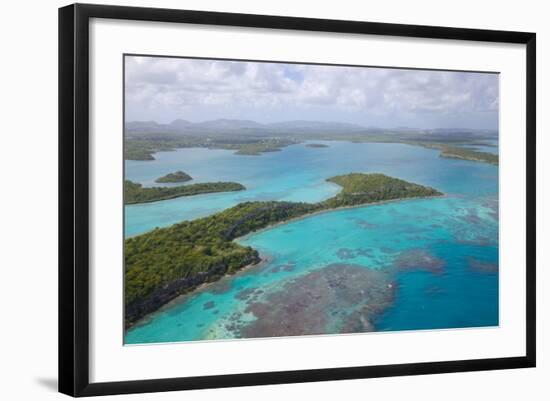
(436, 260)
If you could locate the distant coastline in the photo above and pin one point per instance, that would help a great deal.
(142, 147)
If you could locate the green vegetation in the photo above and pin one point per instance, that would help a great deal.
(143, 147)
(178, 176)
(134, 152)
(163, 263)
(468, 154)
(256, 148)
(140, 149)
(358, 189)
(458, 152)
(135, 193)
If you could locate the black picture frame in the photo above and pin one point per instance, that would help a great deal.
(74, 198)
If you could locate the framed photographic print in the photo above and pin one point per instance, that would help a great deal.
(250, 199)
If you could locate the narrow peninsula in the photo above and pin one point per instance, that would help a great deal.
(136, 193)
(167, 262)
(469, 154)
(316, 145)
(178, 176)
(457, 152)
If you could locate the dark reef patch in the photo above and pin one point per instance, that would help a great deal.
(243, 295)
(364, 252)
(275, 269)
(492, 204)
(416, 238)
(289, 266)
(345, 253)
(472, 216)
(338, 298)
(208, 305)
(419, 259)
(220, 287)
(365, 224)
(478, 241)
(482, 266)
(434, 290)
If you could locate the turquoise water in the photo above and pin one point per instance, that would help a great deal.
(414, 264)
(297, 173)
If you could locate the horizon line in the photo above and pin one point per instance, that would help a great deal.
(308, 121)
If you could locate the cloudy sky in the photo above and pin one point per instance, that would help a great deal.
(164, 89)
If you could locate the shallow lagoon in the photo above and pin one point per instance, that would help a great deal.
(428, 263)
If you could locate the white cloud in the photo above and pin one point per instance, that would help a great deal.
(168, 88)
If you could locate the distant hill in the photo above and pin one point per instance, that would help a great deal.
(143, 126)
(316, 125)
(189, 128)
(227, 124)
(249, 127)
(180, 124)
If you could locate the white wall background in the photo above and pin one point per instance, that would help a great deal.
(28, 205)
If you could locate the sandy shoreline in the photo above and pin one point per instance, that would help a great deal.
(281, 223)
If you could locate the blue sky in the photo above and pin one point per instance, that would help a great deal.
(165, 89)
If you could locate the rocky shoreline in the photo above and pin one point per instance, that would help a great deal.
(142, 307)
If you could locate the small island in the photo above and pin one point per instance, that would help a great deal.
(316, 145)
(167, 262)
(257, 148)
(178, 176)
(136, 193)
